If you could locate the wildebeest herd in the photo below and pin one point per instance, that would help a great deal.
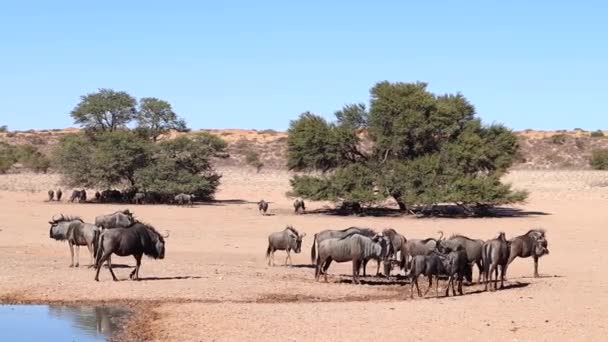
(451, 257)
(126, 196)
(116, 233)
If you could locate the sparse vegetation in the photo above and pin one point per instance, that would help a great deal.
(597, 134)
(252, 158)
(559, 139)
(3, 129)
(599, 159)
(27, 155)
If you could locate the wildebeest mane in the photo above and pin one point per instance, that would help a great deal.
(293, 230)
(460, 236)
(351, 234)
(428, 239)
(149, 236)
(67, 219)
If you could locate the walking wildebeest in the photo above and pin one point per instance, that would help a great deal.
(495, 253)
(298, 205)
(456, 266)
(532, 244)
(51, 195)
(59, 193)
(78, 196)
(139, 198)
(472, 247)
(354, 247)
(119, 219)
(184, 199)
(398, 241)
(136, 240)
(336, 234)
(263, 207)
(428, 264)
(77, 233)
(285, 240)
(415, 247)
(97, 196)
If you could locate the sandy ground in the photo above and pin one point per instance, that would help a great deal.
(214, 283)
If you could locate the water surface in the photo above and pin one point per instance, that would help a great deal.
(58, 323)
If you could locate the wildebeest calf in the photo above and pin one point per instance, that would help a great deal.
(298, 205)
(51, 195)
(286, 240)
(59, 193)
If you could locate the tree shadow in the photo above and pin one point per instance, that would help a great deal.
(438, 211)
(221, 203)
(511, 286)
(379, 281)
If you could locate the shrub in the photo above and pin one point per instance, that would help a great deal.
(599, 159)
(559, 139)
(7, 157)
(597, 134)
(3, 129)
(252, 158)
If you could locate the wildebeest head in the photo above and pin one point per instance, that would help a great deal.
(157, 250)
(385, 244)
(541, 247)
(57, 231)
(298, 245)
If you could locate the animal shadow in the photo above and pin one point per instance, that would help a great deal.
(303, 266)
(169, 278)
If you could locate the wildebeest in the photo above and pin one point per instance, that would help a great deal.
(184, 199)
(58, 193)
(77, 233)
(78, 196)
(456, 266)
(298, 205)
(354, 247)
(119, 219)
(495, 254)
(139, 198)
(136, 240)
(263, 207)
(286, 240)
(428, 264)
(97, 196)
(415, 247)
(111, 196)
(51, 195)
(472, 247)
(398, 241)
(336, 234)
(532, 244)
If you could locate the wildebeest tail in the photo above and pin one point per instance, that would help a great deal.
(268, 250)
(98, 250)
(313, 250)
(96, 233)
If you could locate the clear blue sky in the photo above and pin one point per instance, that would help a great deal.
(258, 64)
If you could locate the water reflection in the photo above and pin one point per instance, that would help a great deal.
(58, 323)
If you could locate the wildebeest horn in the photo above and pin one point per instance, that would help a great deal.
(440, 232)
(166, 234)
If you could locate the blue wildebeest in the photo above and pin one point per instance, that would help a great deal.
(398, 242)
(263, 207)
(78, 196)
(51, 195)
(495, 254)
(118, 219)
(456, 266)
(59, 193)
(532, 244)
(298, 205)
(97, 196)
(286, 240)
(428, 264)
(415, 247)
(184, 199)
(336, 234)
(77, 233)
(139, 198)
(472, 247)
(355, 247)
(136, 240)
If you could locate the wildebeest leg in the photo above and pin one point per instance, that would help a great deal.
(364, 268)
(535, 267)
(447, 289)
(90, 248)
(453, 286)
(77, 256)
(325, 267)
(104, 257)
(71, 253)
(272, 257)
(109, 262)
(460, 284)
(135, 274)
(480, 267)
(430, 285)
(503, 271)
(287, 257)
(356, 265)
(378, 269)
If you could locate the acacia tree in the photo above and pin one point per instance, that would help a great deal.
(156, 117)
(105, 110)
(412, 145)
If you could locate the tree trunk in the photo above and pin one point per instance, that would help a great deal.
(402, 206)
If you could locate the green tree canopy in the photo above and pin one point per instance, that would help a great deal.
(156, 117)
(105, 110)
(412, 145)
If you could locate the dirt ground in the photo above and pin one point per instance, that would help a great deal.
(214, 284)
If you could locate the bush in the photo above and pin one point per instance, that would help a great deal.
(3, 129)
(7, 157)
(599, 159)
(252, 158)
(559, 139)
(597, 134)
